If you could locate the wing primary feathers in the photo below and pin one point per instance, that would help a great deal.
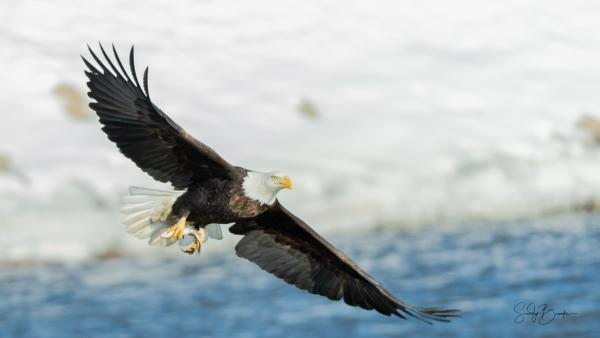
(141, 131)
(89, 66)
(415, 315)
(436, 313)
(104, 69)
(120, 64)
(132, 66)
(110, 62)
(324, 270)
(146, 83)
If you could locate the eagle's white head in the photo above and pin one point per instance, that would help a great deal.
(263, 187)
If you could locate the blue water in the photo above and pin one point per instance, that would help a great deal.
(483, 269)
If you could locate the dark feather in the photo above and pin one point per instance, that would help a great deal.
(132, 67)
(146, 83)
(142, 131)
(282, 244)
(120, 64)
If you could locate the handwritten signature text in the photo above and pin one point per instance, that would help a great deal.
(542, 314)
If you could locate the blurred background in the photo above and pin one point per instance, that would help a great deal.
(451, 148)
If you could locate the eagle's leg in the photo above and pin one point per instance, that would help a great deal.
(199, 236)
(175, 232)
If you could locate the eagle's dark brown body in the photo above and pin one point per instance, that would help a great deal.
(217, 200)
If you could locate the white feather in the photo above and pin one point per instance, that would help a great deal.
(133, 218)
(137, 226)
(132, 208)
(136, 199)
(145, 211)
(152, 192)
(147, 231)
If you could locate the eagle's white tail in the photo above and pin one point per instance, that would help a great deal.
(146, 210)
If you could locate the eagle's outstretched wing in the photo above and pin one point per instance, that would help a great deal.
(145, 134)
(282, 244)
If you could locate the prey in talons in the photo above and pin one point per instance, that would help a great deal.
(189, 235)
(191, 243)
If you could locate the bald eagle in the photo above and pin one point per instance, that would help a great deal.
(209, 191)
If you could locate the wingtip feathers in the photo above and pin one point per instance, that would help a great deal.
(118, 72)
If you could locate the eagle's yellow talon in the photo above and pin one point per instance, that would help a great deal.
(176, 231)
(195, 247)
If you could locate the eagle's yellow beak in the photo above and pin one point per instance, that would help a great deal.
(286, 182)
